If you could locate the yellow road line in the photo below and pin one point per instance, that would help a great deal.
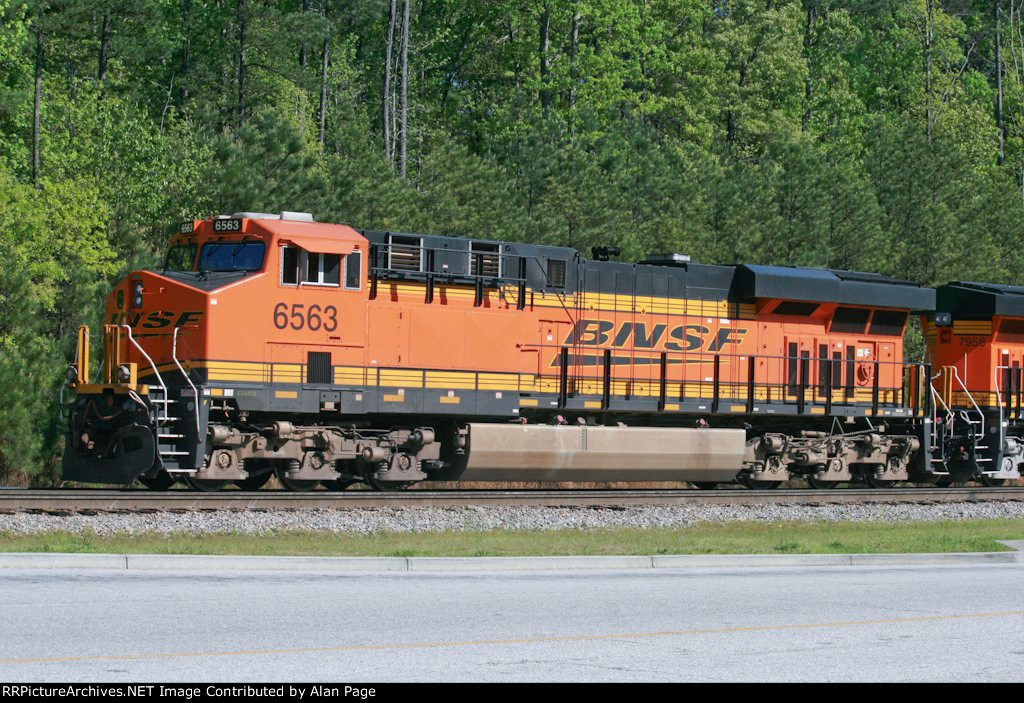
(517, 640)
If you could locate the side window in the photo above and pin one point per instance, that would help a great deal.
(290, 266)
(330, 269)
(309, 268)
(353, 269)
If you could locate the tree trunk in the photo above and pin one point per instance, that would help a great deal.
(574, 46)
(240, 15)
(928, 71)
(37, 108)
(325, 58)
(302, 46)
(386, 102)
(404, 135)
(545, 25)
(808, 86)
(101, 72)
(999, 85)
(186, 48)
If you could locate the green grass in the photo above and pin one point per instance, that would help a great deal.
(729, 538)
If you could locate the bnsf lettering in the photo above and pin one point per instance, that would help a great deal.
(156, 319)
(690, 341)
(591, 332)
(637, 335)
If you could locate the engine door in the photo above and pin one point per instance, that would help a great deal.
(798, 368)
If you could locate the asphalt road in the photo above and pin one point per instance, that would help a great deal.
(948, 623)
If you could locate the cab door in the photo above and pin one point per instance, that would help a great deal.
(799, 368)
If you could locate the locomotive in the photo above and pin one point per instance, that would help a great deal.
(272, 344)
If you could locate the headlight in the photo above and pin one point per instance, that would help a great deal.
(124, 374)
(137, 295)
(72, 373)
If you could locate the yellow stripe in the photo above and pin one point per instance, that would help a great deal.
(671, 406)
(529, 402)
(450, 399)
(392, 377)
(591, 404)
(394, 398)
(498, 381)
(972, 327)
(452, 379)
(350, 376)
(592, 301)
(286, 394)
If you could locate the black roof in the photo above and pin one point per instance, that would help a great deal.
(679, 278)
(830, 286)
(969, 299)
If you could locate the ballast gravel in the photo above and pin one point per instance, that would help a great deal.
(372, 520)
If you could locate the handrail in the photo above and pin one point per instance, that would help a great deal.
(384, 250)
(956, 375)
(195, 392)
(151, 365)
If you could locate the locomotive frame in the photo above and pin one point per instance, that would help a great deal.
(328, 355)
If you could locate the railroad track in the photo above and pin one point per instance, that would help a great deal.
(88, 501)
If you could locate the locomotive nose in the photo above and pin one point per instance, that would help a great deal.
(148, 302)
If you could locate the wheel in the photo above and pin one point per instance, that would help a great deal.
(254, 483)
(705, 485)
(819, 483)
(206, 485)
(338, 484)
(161, 482)
(388, 486)
(878, 482)
(759, 485)
(991, 482)
(296, 485)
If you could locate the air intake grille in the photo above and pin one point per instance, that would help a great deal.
(406, 254)
(318, 367)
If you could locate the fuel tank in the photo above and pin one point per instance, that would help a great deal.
(506, 452)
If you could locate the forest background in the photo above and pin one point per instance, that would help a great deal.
(860, 134)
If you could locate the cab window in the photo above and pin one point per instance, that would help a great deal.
(309, 268)
(180, 258)
(232, 256)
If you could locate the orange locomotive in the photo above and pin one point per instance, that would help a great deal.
(976, 338)
(273, 344)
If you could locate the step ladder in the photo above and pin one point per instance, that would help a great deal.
(169, 430)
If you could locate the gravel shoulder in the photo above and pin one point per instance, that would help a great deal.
(481, 519)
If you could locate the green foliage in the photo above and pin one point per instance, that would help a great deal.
(55, 259)
(840, 133)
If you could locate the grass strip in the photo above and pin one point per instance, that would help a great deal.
(705, 538)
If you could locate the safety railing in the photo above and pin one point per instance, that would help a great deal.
(484, 269)
(803, 381)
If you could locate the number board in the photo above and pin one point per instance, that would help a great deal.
(232, 225)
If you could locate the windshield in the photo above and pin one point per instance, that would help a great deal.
(232, 256)
(180, 258)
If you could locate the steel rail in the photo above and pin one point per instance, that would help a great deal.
(99, 500)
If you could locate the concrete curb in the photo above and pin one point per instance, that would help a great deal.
(196, 562)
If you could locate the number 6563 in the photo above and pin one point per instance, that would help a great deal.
(300, 316)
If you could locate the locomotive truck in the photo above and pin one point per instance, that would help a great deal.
(272, 344)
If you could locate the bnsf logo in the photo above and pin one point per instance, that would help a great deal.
(637, 335)
(155, 320)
